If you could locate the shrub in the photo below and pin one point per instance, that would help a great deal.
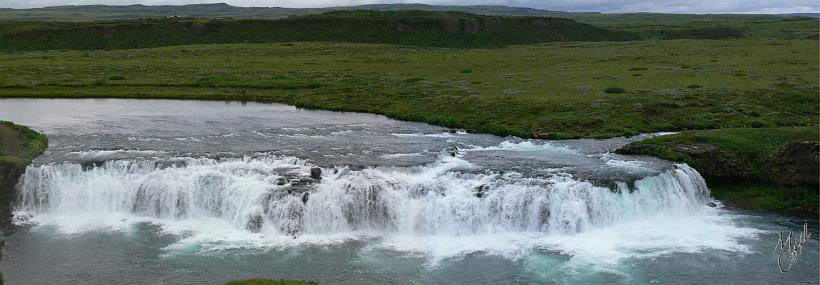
(638, 68)
(614, 90)
(757, 124)
(694, 86)
(98, 82)
(466, 71)
(116, 77)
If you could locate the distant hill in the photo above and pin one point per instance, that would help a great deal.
(810, 15)
(77, 13)
(422, 28)
(647, 25)
(473, 9)
(222, 10)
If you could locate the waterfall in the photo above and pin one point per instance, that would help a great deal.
(276, 196)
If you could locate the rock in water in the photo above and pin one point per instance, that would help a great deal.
(481, 190)
(316, 173)
(305, 197)
(255, 223)
(711, 204)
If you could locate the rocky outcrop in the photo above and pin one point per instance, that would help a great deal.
(18, 146)
(712, 161)
(796, 163)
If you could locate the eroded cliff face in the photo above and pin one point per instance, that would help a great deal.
(9, 173)
(796, 163)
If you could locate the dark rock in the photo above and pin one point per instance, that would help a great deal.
(707, 159)
(305, 197)
(711, 204)
(452, 150)
(316, 173)
(255, 223)
(712, 161)
(541, 135)
(480, 191)
(796, 163)
(636, 149)
(9, 173)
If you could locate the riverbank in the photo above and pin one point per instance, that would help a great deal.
(769, 168)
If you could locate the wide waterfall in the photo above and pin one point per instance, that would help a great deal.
(275, 195)
(190, 192)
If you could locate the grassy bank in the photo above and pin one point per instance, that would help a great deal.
(554, 90)
(748, 168)
(19, 144)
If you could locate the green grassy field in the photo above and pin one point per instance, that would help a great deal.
(552, 90)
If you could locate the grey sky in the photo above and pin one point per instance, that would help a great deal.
(668, 6)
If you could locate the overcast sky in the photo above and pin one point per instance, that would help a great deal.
(667, 6)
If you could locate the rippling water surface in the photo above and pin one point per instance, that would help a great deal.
(186, 192)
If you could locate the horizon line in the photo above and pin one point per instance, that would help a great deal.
(400, 4)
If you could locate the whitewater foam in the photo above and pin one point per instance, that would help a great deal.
(443, 209)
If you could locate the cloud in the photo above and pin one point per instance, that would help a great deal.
(665, 6)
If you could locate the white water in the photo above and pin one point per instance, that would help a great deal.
(432, 209)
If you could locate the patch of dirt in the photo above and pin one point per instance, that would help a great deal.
(11, 141)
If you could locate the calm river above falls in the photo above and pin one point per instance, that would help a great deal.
(189, 192)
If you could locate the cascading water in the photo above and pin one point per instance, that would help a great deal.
(275, 196)
(158, 192)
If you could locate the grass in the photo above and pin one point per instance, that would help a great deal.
(551, 90)
(270, 282)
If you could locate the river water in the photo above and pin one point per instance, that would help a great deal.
(188, 192)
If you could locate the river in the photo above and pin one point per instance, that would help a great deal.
(193, 192)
